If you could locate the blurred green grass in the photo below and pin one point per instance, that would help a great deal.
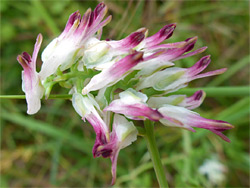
(53, 147)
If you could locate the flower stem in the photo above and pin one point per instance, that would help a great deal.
(187, 148)
(61, 96)
(224, 91)
(154, 153)
(236, 91)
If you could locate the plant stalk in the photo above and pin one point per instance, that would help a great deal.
(154, 153)
(236, 91)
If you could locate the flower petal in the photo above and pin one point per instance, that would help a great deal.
(161, 35)
(86, 106)
(169, 80)
(133, 107)
(126, 133)
(189, 119)
(178, 100)
(130, 41)
(195, 100)
(153, 63)
(114, 73)
(193, 72)
(72, 24)
(37, 47)
(31, 84)
(97, 54)
(168, 46)
(64, 50)
(172, 79)
(200, 50)
(122, 135)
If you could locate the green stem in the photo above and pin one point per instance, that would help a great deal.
(224, 91)
(62, 96)
(237, 91)
(187, 147)
(231, 91)
(154, 153)
(147, 166)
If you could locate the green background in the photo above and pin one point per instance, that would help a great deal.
(54, 147)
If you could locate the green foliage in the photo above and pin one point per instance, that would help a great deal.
(50, 149)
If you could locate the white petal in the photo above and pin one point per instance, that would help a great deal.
(97, 54)
(157, 102)
(34, 94)
(149, 67)
(59, 54)
(168, 80)
(126, 131)
(182, 115)
(130, 96)
(82, 104)
(101, 99)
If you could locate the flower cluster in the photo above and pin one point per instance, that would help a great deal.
(116, 83)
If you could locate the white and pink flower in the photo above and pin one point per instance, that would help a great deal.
(172, 79)
(65, 50)
(107, 144)
(117, 71)
(188, 119)
(31, 84)
(91, 68)
(133, 105)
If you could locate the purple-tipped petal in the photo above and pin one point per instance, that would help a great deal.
(100, 129)
(160, 54)
(31, 81)
(86, 107)
(91, 21)
(73, 19)
(113, 73)
(134, 111)
(153, 63)
(215, 126)
(25, 61)
(84, 22)
(178, 100)
(199, 66)
(211, 73)
(195, 100)
(66, 49)
(132, 104)
(200, 50)
(161, 35)
(191, 43)
(220, 135)
(191, 119)
(168, 46)
(204, 123)
(172, 79)
(174, 53)
(98, 10)
(37, 47)
(97, 26)
(130, 41)
(122, 135)
(193, 72)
